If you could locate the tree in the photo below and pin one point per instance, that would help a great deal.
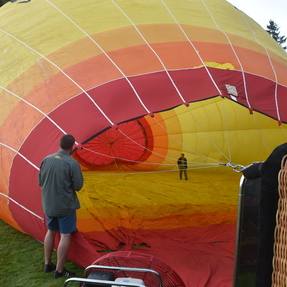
(273, 30)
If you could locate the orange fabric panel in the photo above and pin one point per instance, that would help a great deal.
(22, 121)
(102, 220)
(7, 157)
(84, 73)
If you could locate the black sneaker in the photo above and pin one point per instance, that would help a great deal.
(49, 267)
(65, 274)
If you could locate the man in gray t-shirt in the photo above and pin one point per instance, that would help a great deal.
(60, 178)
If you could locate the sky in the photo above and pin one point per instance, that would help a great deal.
(264, 10)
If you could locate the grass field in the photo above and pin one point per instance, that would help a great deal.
(21, 261)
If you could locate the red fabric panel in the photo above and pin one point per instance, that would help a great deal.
(261, 94)
(30, 224)
(43, 140)
(25, 190)
(195, 85)
(282, 102)
(204, 255)
(80, 117)
(234, 78)
(157, 91)
(116, 145)
(118, 101)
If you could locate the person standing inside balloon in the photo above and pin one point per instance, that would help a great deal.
(182, 166)
(60, 178)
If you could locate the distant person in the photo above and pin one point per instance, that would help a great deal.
(60, 177)
(182, 166)
(267, 214)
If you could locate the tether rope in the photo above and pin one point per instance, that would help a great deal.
(152, 49)
(233, 50)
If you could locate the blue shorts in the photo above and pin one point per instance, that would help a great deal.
(64, 224)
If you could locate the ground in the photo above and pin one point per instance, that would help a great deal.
(21, 261)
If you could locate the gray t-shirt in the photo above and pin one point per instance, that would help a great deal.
(60, 177)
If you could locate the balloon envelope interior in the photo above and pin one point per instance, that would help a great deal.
(138, 83)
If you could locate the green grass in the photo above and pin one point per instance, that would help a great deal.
(21, 261)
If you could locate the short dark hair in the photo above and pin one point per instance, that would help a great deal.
(67, 142)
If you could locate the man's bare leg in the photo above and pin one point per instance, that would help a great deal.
(48, 245)
(62, 251)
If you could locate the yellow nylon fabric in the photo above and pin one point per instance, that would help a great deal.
(209, 133)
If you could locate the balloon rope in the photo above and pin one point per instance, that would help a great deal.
(59, 69)
(138, 144)
(228, 158)
(98, 153)
(21, 155)
(101, 49)
(64, 132)
(21, 206)
(33, 107)
(192, 45)
(152, 49)
(58, 127)
(233, 50)
(254, 34)
(199, 167)
(8, 197)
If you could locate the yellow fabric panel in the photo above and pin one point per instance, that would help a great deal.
(218, 129)
(171, 203)
(21, 121)
(209, 133)
(7, 104)
(145, 12)
(94, 16)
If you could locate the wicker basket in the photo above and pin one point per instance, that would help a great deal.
(279, 276)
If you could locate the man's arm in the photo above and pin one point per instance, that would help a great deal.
(77, 176)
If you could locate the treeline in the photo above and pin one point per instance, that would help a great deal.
(274, 31)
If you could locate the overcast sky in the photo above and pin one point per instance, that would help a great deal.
(264, 10)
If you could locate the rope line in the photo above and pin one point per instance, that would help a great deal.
(140, 145)
(98, 153)
(233, 50)
(21, 155)
(22, 206)
(33, 106)
(192, 45)
(171, 170)
(254, 34)
(64, 132)
(152, 49)
(183, 113)
(102, 50)
(59, 69)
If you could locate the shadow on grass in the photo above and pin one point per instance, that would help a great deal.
(21, 261)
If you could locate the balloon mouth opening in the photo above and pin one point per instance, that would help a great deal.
(129, 144)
